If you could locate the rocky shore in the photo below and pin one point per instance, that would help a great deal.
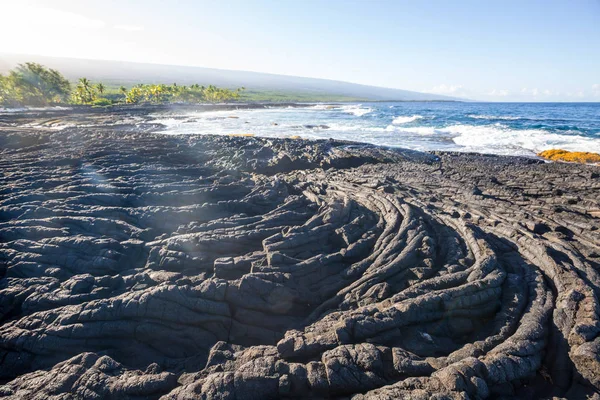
(137, 265)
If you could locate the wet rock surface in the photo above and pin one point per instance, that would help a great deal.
(139, 265)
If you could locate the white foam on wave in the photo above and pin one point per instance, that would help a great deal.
(357, 110)
(168, 122)
(322, 107)
(496, 138)
(354, 109)
(501, 139)
(500, 117)
(419, 130)
(405, 119)
(353, 128)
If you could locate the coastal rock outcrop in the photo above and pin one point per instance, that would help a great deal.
(140, 265)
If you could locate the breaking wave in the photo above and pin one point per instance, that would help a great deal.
(500, 139)
(405, 120)
(482, 128)
(357, 110)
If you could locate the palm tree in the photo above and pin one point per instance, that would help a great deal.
(84, 82)
(134, 95)
(84, 92)
(123, 91)
(100, 87)
(87, 90)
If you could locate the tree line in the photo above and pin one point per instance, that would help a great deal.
(32, 84)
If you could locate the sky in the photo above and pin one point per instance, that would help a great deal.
(483, 50)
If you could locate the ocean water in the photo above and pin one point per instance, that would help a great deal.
(498, 128)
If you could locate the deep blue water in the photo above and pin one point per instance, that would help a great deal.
(500, 128)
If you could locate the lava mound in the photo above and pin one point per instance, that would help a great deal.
(137, 265)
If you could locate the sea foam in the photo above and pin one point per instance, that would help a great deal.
(500, 139)
(357, 110)
(405, 120)
(485, 129)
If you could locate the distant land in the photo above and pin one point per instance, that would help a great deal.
(259, 86)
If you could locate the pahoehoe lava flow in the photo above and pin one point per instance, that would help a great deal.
(138, 265)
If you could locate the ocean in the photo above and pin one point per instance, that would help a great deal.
(498, 128)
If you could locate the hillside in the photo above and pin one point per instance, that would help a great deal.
(261, 85)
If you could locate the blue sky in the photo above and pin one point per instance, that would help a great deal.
(501, 51)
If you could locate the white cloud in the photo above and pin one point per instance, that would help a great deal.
(542, 94)
(129, 28)
(596, 90)
(531, 92)
(499, 92)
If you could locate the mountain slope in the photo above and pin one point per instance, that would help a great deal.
(121, 72)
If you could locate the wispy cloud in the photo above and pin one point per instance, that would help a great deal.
(499, 92)
(129, 28)
(543, 94)
(578, 94)
(530, 92)
(596, 90)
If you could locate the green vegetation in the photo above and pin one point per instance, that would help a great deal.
(178, 94)
(85, 92)
(32, 84)
(35, 85)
